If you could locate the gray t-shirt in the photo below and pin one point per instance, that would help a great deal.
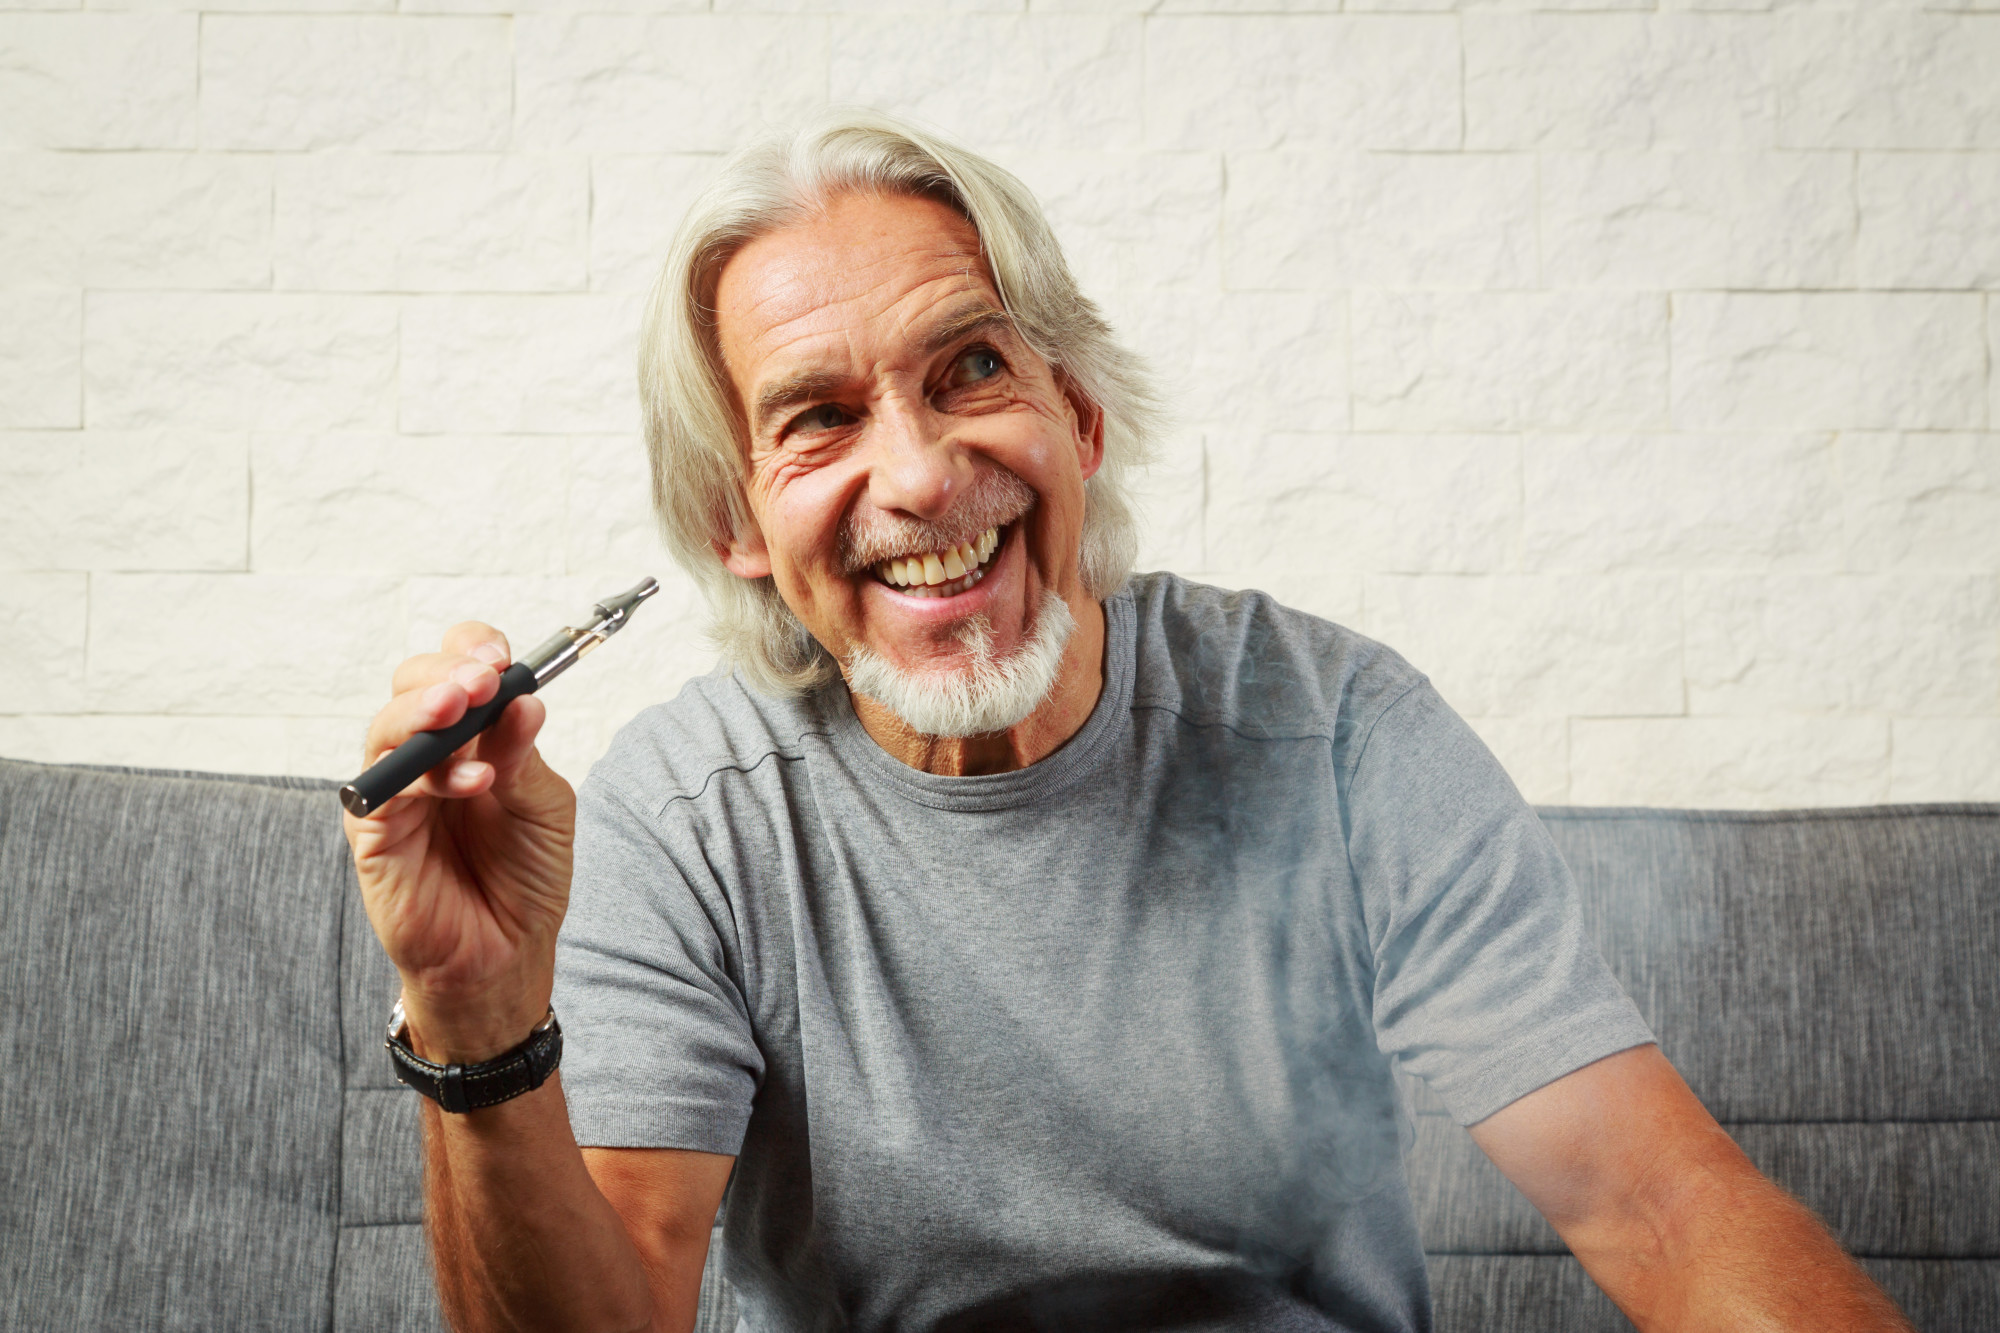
(1104, 1043)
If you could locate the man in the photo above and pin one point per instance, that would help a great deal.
(1033, 946)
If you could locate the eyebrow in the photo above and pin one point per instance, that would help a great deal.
(806, 385)
(979, 316)
(800, 387)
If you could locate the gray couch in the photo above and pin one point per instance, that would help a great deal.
(198, 1128)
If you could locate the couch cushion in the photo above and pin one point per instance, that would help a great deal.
(1825, 981)
(201, 999)
(384, 1279)
(1552, 1294)
(1807, 965)
(172, 1110)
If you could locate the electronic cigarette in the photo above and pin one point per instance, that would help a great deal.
(427, 749)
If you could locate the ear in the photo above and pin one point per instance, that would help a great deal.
(745, 554)
(1089, 428)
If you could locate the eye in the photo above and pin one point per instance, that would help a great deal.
(980, 363)
(826, 416)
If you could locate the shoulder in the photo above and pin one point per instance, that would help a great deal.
(1244, 660)
(716, 724)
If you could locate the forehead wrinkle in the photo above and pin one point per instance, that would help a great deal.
(813, 311)
(878, 304)
(801, 288)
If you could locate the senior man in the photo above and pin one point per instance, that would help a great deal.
(1024, 944)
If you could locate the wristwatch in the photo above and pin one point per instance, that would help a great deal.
(459, 1088)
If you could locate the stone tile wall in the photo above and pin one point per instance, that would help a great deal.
(1632, 371)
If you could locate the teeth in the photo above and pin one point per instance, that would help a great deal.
(952, 589)
(927, 571)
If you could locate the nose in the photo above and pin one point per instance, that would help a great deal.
(918, 467)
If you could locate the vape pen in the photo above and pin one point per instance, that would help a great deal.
(427, 749)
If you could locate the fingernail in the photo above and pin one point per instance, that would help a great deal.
(490, 654)
(467, 676)
(437, 695)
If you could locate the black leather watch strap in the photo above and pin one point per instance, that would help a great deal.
(460, 1088)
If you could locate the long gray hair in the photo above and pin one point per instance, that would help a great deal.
(693, 432)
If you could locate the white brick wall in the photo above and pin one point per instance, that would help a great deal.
(1630, 370)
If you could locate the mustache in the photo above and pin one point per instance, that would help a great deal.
(996, 499)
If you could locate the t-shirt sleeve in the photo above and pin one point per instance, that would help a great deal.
(658, 1050)
(1486, 985)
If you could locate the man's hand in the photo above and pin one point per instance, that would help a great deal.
(466, 875)
(1665, 1211)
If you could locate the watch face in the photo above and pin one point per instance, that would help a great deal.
(396, 1020)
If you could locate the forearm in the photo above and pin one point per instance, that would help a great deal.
(1666, 1212)
(1730, 1251)
(466, 877)
(521, 1236)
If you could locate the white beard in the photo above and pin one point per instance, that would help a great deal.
(986, 695)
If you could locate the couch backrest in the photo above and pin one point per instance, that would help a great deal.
(200, 1126)
(1829, 984)
(172, 1105)
(201, 1129)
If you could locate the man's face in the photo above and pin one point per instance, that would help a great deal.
(894, 415)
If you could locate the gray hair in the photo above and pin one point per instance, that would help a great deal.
(694, 435)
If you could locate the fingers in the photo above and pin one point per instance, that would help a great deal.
(468, 637)
(414, 673)
(507, 742)
(428, 706)
(405, 814)
(523, 782)
(433, 691)
(425, 669)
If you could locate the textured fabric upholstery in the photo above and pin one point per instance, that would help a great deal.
(201, 1130)
(1827, 982)
(171, 1140)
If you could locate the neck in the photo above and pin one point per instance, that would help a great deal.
(1039, 735)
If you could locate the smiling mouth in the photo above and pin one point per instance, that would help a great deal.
(944, 573)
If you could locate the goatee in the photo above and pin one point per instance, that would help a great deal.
(985, 694)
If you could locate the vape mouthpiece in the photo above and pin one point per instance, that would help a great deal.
(615, 611)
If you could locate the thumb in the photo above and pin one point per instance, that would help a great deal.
(520, 777)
